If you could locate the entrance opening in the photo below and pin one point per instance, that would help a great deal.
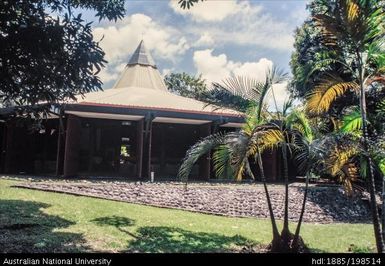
(107, 148)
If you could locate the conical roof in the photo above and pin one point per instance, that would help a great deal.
(141, 56)
(140, 86)
(141, 71)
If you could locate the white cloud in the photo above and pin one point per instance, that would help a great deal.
(255, 70)
(215, 68)
(167, 71)
(107, 76)
(241, 23)
(111, 74)
(299, 15)
(205, 40)
(119, 40)
(122, 38)
(213, 10)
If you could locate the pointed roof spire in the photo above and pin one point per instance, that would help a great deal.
(141, 57)
(141, 72)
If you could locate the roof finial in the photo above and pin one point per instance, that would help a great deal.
(141, 57)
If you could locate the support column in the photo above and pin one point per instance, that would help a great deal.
(60, 146)
(3, 148)
(139, 147)
(71, 156)
(8, 149)
(162, 159)
(146, 171)
(205, 161)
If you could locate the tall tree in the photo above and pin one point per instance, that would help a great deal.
(359, 27)
(186, 85)
(47, 51)
(263, 130)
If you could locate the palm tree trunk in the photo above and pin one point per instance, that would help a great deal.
(383, 208)
(286, 179)
(276, 236)
(371, 181)
(297, 230)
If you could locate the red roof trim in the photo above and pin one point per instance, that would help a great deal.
(157, 108)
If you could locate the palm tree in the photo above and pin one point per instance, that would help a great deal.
(293, 135)
(359, 25)
(306, 151)
(262, 131)
(238, 147)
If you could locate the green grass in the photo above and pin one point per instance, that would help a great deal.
(37, 221)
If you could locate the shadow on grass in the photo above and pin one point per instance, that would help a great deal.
(162, 239)
(24, 227)
(172, 239)
(116, 221)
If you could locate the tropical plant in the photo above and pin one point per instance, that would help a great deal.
(359, 26)
(195, 87)
(262, 131)
(47, 51)
(186, 85)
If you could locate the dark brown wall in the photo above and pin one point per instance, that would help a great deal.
(71, 156)
(204, 162)
(139, 147)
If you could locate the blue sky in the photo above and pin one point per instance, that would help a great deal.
(215, 38)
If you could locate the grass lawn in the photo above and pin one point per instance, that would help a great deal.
(36, 221)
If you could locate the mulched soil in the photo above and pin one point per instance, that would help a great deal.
(325, 204)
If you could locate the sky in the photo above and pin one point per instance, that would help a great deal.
(215, 38)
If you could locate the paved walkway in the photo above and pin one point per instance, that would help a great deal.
(324, 205)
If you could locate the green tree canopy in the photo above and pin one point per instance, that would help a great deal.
(47, 52)
(186, 85)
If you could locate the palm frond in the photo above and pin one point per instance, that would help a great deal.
(347, 176)
(269, 138)
(264, 90)
(287, 105)
(298, 121)
(242, 86)
(219, 98)
(196, 151)
(240, 170)
(238, 144)
(251, 119)
(301, 152)
(276, 75)
(340, 156)
(343, 151)
(352, 121)
(353, 10)
(320, 100)
(380, 108)
(329, 28)
(381, 164)
(222, 162)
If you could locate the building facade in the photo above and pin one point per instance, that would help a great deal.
(135, 128)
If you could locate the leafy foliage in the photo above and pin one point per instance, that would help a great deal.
(46, 58)
(185, 85)
(196, 151)
(188, 3)
(355, 31)
(324, 94)
(352, 121)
